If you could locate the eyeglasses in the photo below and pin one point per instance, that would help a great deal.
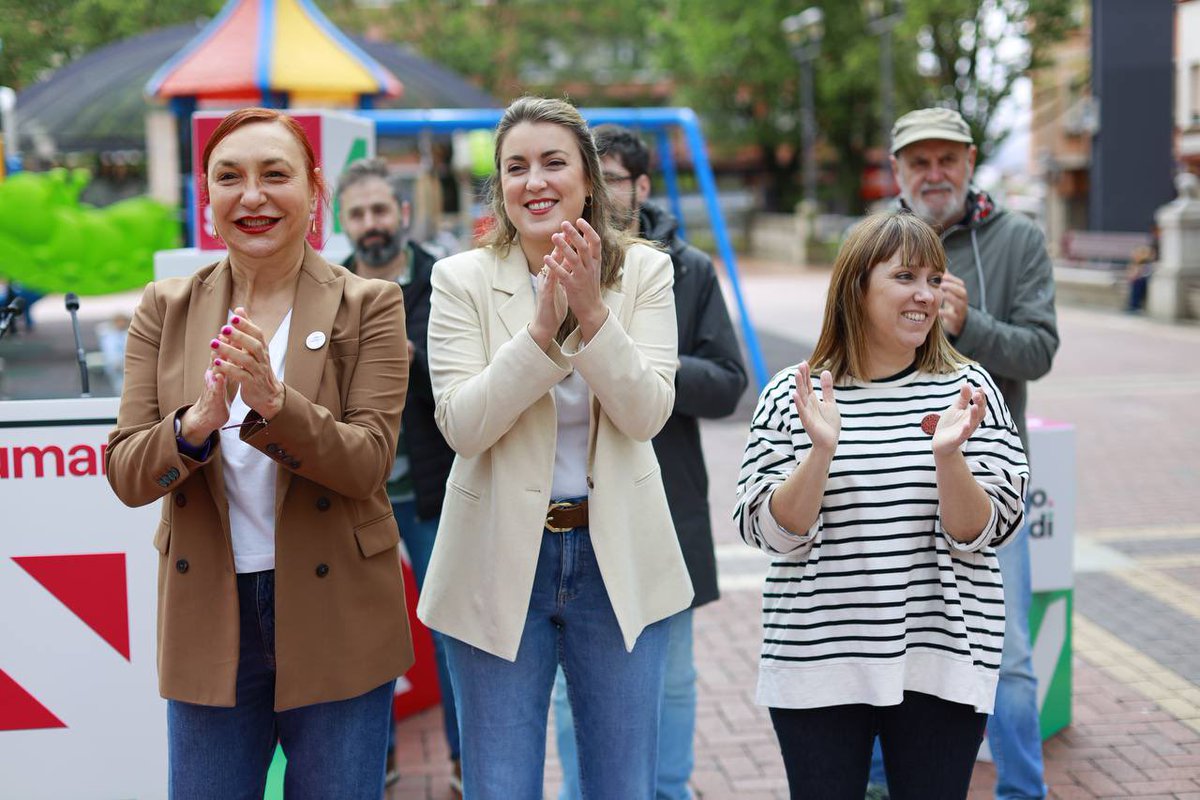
(613, 179)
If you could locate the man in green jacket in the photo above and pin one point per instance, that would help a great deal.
(998, 309)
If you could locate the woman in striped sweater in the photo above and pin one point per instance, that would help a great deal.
(881, 501)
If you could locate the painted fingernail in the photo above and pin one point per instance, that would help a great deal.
(227, 330)
(214, 344)
(216, 362)
(236, 320)
(929, 423)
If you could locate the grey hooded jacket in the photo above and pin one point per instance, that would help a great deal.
(1011, 327)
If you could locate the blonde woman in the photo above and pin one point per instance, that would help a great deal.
(552, 352)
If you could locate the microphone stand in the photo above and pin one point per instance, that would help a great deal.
(72, 301)
(9, 313)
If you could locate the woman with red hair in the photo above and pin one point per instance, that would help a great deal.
(261, 404)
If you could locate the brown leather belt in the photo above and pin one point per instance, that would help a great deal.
(562, 517)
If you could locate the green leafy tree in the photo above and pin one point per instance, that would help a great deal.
(38, 35)
(732, 65)
(972, 52)
(515, 46)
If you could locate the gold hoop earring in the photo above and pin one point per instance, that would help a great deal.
(313, 226)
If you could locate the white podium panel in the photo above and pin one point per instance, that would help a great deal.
(80, 714)
(1050, 504)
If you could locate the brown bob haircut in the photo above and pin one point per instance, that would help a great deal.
(842, 346)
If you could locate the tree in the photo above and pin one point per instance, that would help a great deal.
(515, 46)
(38, 35)
(974, 51)
(732, 65)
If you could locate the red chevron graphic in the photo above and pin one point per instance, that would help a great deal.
(92, 586)
(19, 711)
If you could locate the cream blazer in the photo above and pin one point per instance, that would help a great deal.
(492, 385)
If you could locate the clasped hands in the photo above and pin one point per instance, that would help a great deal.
(569, 279)
(823, 422)
(240, 360)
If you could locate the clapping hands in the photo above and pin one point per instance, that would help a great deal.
(240, 360)
(818, 413)
(240, 355)
(572, 270)
(959, 421)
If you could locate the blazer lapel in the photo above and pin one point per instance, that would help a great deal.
(515, 300)
(318, 296)
(207, 312)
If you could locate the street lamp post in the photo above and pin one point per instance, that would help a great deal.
(803, 32)
(882, 16)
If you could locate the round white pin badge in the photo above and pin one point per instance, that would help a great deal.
(315, 340)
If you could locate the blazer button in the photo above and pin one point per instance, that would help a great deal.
(323, 504)
(181, 565)
(180, 499)
(590, 485)
(294, 464)
(272, 448)
(322, 570)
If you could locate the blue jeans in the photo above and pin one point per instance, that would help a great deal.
(503, 705)
(1014, 730)
(676, 727)
(333, 749)
(418, 538)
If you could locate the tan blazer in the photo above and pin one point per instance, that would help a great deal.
(341, 627)
(495, 405)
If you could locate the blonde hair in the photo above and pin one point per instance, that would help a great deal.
(598, 211)
(842, 345)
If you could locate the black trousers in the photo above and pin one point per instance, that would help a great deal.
(929, 748)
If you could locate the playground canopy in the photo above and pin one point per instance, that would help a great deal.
(277, 53)
(97, 102)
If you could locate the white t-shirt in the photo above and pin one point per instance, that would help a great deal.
(250, 478)
(571, 396)
(571, 400)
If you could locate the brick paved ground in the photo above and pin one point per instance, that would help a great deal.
(1132, 389)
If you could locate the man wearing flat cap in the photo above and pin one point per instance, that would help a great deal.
(998, 309)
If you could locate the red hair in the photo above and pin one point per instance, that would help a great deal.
(252, 115)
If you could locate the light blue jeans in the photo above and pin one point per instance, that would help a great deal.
(419, 536)
(503, 705)
(676, 727)
(1014, 730)
(333, 749)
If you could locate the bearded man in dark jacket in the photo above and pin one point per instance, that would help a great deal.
(376, 218)
(708, 383)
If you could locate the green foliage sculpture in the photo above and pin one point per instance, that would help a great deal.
(51, 243)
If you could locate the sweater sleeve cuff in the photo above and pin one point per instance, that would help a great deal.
(979, 542)
(778, 537)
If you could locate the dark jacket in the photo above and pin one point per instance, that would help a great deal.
(709, 382)
(428, 454)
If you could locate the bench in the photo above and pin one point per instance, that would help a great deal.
(1102, 249)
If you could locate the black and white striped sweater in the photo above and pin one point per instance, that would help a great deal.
(876, 598)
